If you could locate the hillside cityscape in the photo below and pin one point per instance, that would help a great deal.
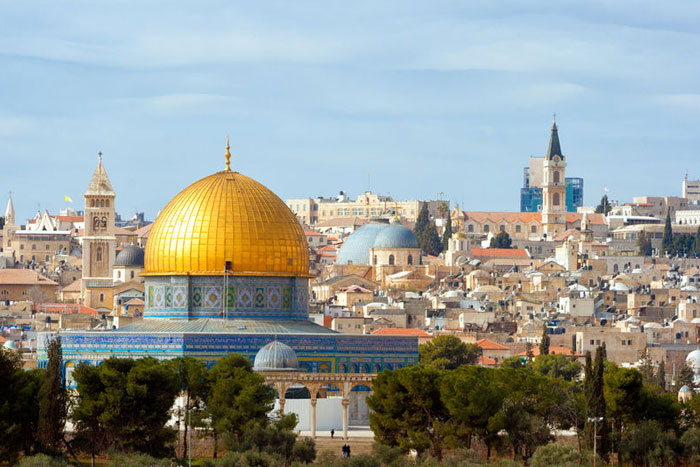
(258, 310)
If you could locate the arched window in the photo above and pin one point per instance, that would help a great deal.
(92, 203)
(102, 203)
(556, 177)
(98, 254)
(410, 259)
(533, 229)
(104, 222)
(96, 223)
(391, 259)
(486, 228)
(616, 268)
(470, 228)
(107, 202)
(132, 274)
(517, 229)
(102, 297)
(555, 199)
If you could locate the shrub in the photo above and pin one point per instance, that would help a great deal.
(42, 460)
(137, 460)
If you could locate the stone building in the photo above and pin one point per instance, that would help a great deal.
(99, 241)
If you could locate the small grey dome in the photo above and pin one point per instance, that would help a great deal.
(276, 356)
(130, 256)
(395, 236)
(685, 389)
(10, 345)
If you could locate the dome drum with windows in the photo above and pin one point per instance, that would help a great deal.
(226, 246)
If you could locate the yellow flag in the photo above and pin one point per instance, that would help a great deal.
(68, 199)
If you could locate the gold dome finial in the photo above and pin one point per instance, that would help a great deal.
(228, 156)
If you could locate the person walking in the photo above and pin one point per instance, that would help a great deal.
(332, 433)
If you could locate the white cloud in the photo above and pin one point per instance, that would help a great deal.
(686, 102)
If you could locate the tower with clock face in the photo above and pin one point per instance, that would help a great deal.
(99, 242)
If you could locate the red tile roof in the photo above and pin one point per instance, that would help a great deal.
(23, 277)
(527, 217)
(553, 349)
(400, 332)
(486, 361)
(487, 344)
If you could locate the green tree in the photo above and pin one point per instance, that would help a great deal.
(447, 353)
(596, 401)
(604, 206)
(661, 375)
(237, 398)
(125, 404)
(422, 223)
(431, 243)
(696, 242)
(514, 362)
(644, 244)
(19, 407)
(667, 239)
(648, 444)
(447, 233)
(690, 440)
(557, 366)
(544, 343)
(408, 411)
(192, 380)
(473, 396)
(684, 377)
(502, 240)
(646, 367)
(53, 401)
(623, 396)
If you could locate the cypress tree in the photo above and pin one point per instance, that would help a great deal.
(598, 400)
(661, 375)
(544, 344)
(422, 223)
(696, 245)
(667, 240)
(447, 234)
(52, 401)
(588, 393)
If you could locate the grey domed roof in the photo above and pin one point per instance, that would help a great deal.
(276, 356)
(130, 256)
(10, 345)
(355, 249)
(685, 389)
(395, 235)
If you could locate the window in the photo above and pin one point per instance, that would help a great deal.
(119, 274)
(391, 259)
(92, 203)
(533, 229)
(470, 228)
(517, 229)
(47, 258)
(502, 228)
(21, 246)
(556, 177)
(132, 274)
(486, 228)
(48, 247)
(375, 259)
(33, 247)
(107, 203)
(102, 297)
(410, 259)
(555, 199)
(98, 254)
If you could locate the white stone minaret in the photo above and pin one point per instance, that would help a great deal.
(99, 241)
(10, 227)
(554, 188)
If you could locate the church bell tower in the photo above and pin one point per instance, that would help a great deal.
(99, 241)
(554, 187)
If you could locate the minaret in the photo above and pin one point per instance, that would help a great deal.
(554, 187)
(9, 228)
(99, 241)
(10, 212)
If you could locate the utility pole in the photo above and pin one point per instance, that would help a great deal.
(595, 421)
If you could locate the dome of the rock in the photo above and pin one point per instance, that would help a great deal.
(226, 221)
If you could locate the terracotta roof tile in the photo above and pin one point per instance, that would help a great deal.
(400, 332)
(487, 344)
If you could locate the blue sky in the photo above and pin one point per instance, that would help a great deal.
(427, 97)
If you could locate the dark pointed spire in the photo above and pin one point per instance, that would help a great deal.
(554, 147)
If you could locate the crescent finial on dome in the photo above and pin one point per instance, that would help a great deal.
(228, 155)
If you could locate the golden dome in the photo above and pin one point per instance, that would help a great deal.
(227, 217)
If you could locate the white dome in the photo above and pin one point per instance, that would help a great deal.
(693, 359)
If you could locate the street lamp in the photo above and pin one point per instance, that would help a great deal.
(595, 421)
